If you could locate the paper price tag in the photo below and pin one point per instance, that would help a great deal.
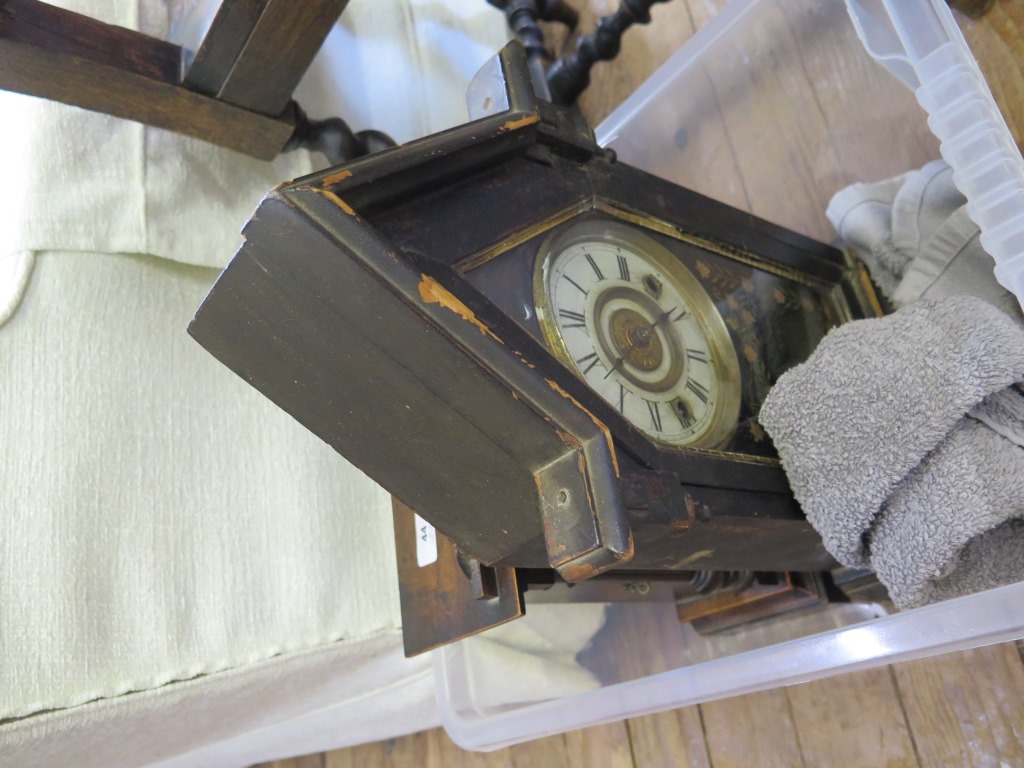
(426, 542)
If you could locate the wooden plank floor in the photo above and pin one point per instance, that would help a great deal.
(964, 709)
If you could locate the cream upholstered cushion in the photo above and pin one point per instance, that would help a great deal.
(187, 576)
(163, 520)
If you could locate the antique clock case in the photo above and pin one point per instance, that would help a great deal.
(391, 306)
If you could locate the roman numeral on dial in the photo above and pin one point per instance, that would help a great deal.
(699, 390)
(579, 287)
(573, 319)
(697, 355)
(593, 265)
(594, 360)
(623, 268)
(655, 415)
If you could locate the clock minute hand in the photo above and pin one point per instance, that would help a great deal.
(646, 330)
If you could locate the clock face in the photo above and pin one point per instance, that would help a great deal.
(636, 325)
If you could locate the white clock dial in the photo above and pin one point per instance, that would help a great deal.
(631, 321)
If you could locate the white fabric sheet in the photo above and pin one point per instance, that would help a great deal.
(187, 575)
(162, 520)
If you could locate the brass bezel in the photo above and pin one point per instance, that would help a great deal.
(726, 364)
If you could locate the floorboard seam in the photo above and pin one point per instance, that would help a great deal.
(629, 739)
(704, 733)
(903, 710)
(796, 729)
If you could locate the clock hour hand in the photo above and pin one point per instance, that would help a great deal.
(668, 313)
(618, 362)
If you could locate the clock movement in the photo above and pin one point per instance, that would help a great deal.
(554, 359)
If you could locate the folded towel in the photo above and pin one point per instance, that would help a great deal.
(1003, 412)
(903, 436)
(875, 398)
(953, 526)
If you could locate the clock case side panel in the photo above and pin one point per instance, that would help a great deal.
(375, 356)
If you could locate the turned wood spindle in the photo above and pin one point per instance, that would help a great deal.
(570, 75)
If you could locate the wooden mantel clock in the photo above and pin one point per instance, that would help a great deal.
(555, 359)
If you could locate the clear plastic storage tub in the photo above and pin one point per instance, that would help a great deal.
(772, 107)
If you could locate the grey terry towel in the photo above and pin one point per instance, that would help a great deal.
(954, 526)
(873, 436)
(903, 437)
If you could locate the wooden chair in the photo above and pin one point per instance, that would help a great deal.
(235, 91)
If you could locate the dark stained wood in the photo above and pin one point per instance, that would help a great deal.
(852, 721)
(222, 45)
(966, 709)
(644, 49)
(28, 22)
(365, 404)
(281, 47)
(428, 621)
(751, 730)
(55, 54)
(387, 419)
(470, 419)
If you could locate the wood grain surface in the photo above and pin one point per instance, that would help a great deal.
(224, 41)
(970, 705)
(997, 40)
(852, 721)
(669, 739)
(964, 709)
(280, 48)
(606, 746)
(55, 54)
(767, 736)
